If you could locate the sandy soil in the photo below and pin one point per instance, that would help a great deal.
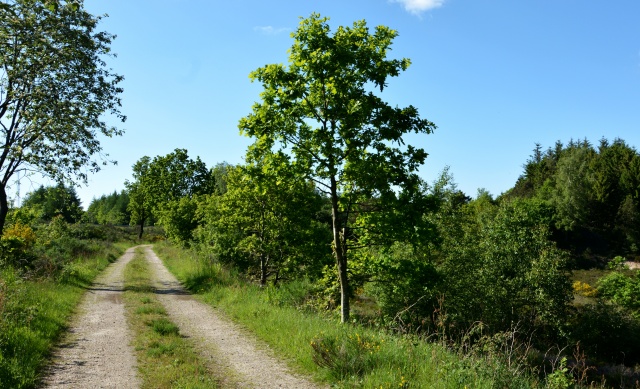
(633, 265)
(97, 351)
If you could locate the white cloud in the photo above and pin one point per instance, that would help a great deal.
(418, 6)
(270, 30)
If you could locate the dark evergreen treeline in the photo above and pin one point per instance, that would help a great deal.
(110, 209)
(594, 193)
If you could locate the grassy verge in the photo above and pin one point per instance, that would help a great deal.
(344, 355)
(165, 358)
(34, 313)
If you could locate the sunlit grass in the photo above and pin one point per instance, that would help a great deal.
(34, 314)
(165, 358)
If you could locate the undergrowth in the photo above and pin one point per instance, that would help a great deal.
(350, 356)
(35, 307)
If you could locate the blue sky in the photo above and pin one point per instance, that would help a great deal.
(496, 76)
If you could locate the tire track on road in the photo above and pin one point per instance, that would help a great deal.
(220, 339)
(97, 351)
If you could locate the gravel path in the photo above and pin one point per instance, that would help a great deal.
(220, 339)
(97, 351)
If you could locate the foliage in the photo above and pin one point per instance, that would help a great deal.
(140, 203)
(161, 183)
(219, 173)
(263, 222)
(16, 245)
(560, 378)
(584, 289)
(54, 89)
(607, 333)
(406, 285)
(382, 360)
(502, 269)
(622, 289)
(179, 219)
(109, 209)
(343, 136)
(49, 202)
(571, 197)
(22, 232)
(594, 192)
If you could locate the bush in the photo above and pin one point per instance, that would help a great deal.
(16, 245)
(405, 286)
(584, 289)
(622, 289)
(607, 333)
(92, 231)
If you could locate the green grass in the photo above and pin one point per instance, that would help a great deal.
(165, 358)
(34, 313)
(347, 356)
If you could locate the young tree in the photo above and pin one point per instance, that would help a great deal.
(264, 221)
(54, 89)
(323, 109)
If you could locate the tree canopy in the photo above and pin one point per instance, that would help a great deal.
(594, 193)
(49, 202)
(343, 136)
(54, 89)
(160, 185)
(264, 221)
(110, 209)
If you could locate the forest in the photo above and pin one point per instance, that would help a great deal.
(330, 203)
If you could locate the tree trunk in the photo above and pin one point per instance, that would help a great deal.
(142, 220)
(340, 252)
(263, 270)
(4, 207)
(344, 287)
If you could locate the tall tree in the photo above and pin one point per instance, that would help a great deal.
(109, 209)
(162, 182)
(139, 200)
(323, 109)
(49, 202)
(54, 89)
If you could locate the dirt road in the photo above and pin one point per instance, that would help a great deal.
(98, 353)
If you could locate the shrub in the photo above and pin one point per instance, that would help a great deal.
(607, 333)
(622, 289)
(16, 245)
(584, 289)
(22, 232)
